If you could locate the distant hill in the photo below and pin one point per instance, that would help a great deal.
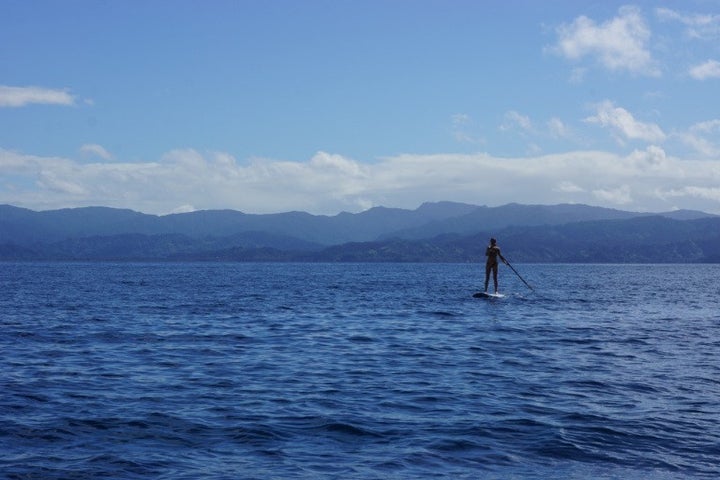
(527, 215)
(510, 215)
(435, 232)
(19, 225)
(652, 239)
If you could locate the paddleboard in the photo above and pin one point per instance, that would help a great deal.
(488, 295)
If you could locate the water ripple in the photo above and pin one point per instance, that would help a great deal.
(356, 371)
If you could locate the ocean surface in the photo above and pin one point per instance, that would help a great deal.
(358, 371)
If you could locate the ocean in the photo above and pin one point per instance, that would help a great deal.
(358, 371)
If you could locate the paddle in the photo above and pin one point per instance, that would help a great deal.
(516, 273)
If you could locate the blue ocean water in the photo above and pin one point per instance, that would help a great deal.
(389, 371)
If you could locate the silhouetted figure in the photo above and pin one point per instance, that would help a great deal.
(492, 252)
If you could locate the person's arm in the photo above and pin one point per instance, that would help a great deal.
(501, 257)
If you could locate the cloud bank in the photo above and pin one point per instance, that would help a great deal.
(184, 180)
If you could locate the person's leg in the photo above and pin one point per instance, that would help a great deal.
(487, 276)
(495, 271)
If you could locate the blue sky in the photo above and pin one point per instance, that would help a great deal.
(329, 106)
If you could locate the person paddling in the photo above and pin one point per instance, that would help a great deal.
(492, 252)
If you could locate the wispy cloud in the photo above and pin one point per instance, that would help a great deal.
(558, 129)
(514, 121)
(624, 125)
(520, 124)
(464, 129)
(702, 138)
(699, 26)
(92, 149)
(23, 96)
(619, 44)
(709, 69)
(711, 126)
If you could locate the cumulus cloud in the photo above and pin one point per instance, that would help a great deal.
(23, 96)
(624, 125)
(619, 44)
(709, 69)
(186, 180)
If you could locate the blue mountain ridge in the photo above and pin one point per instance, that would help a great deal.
(441, 231)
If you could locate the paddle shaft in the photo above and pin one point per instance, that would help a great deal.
(516, 273)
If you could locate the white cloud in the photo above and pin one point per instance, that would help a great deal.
(554, 128)
(653, 161)
(617, 196)
(463, 129)
(709, 69)
(701, 145)
(515, 120)
(706, 193)
(460, 119)
(92, 149)
(700, 26)
(709, 126)
(624, 125)
(183, 209)
(558, 129)
(701, 137)
(59, 183)
(22, 96)
(568, 187)
(185, 180)
(619, 44)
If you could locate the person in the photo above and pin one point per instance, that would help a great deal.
(492, 252)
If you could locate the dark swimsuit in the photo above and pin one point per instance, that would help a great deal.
(492, 262)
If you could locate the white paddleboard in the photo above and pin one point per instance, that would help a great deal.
(488, 295)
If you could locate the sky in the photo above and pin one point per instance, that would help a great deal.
(324, 106)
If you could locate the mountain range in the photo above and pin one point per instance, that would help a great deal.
(434, 232)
